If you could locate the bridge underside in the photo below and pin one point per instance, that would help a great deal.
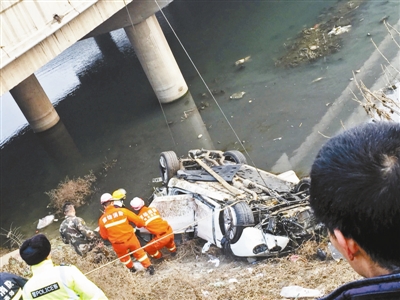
(28, 43)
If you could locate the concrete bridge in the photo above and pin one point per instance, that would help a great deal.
(34, 32)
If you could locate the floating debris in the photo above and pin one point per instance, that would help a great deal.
(46, 221)
(199, 136)
(242, 60)
(315, 43)
(339, 30)
(317, 79)
(238, 95)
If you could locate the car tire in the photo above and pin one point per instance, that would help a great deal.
(235, 156)
(233, 219)
(303, 185)
(169, 165)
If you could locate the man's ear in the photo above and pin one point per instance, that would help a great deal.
(348, 245)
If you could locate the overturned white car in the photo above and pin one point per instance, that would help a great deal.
(218, 197)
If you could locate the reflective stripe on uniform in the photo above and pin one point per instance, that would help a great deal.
(17, 295)
(155, 254)
(64, 281)
(151, 219)
(144, 257)
(127, 262)
(171, 249)
(115, 223)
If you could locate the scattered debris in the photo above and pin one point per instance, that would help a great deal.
(233, 280)
(321, 254)
(44, 222)
(206, 247)
(242, 60)
(334, 252)
(321, 40)
(186, 114)
(317, 79)
(214, 261)
(238, 95)
(296, 291)
(339, 30)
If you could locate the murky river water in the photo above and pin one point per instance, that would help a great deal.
(116, 123)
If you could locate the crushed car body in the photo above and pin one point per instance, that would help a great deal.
(244, 210)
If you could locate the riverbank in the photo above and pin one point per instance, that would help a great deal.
(212, 276)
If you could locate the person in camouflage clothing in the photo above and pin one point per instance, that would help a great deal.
(73, 230)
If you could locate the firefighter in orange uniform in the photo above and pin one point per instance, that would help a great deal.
(163, 234)
(114, 226)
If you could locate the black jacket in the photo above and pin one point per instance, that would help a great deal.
(11, 286)
(386, 287)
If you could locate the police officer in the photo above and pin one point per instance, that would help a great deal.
(53, 282)
(73, 230)
(11, 286)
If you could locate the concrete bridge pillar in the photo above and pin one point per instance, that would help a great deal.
(34, 104)
(157, 60)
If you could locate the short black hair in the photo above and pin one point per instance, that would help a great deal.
(355, 187)
(66, 206)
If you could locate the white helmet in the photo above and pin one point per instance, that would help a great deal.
(118, 203)
(137, 203)
(105, 198)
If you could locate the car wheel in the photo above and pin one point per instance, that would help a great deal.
(303, 185)
(233, 219)
(169, 165)
(235, 156)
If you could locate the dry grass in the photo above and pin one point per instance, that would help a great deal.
(13, 237)
(377, 104)
(191, 275)
(72, 190)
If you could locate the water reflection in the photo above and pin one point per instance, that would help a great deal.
(60, 146)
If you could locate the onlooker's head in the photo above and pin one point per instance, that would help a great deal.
(68, 208)
(35, 250)
(355, 189)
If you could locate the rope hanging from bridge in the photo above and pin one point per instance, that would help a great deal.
(208, 89)
(204, 82)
